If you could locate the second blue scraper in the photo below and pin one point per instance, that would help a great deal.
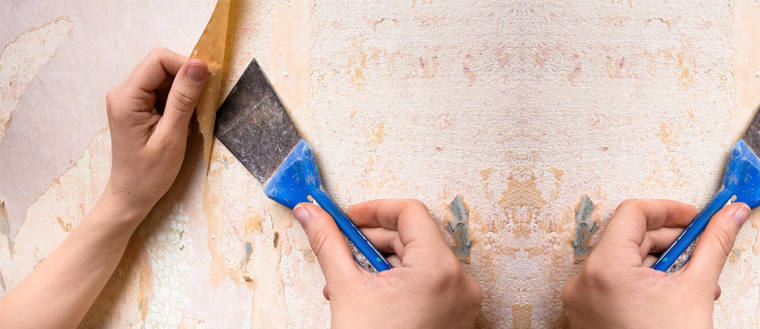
(741, 183)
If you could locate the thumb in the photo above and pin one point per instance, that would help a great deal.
(717, 241)
(328, 244)
(184, 94)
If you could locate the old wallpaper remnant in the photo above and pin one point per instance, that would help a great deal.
(21, 61)
(59, 209)
(457, 227)
(211, 49)
(585, 227)
(543, 116)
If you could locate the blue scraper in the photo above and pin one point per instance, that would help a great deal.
(741, 183)
(254, 126)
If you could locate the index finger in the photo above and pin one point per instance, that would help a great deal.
(633, 218)
(155, 69)
(409, 217)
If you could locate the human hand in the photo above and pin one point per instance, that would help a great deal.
(426, 288)
(617, 288)
(147, 151)
(149, 117)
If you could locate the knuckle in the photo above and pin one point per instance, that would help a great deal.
(170, 144)
(595, 274)
(476, 293)
(110, 104)
(629, 203)
(318, 237)
(183, 100)
(447, 273)
(114, 106)
(156, 51)
(451, 271)
(414, 203)
(568, 293)
(111, 96)
(725, 239)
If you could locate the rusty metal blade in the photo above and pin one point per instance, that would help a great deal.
(254, 126)
(752, 135)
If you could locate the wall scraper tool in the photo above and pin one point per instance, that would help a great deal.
(253, 125)
(741, 183)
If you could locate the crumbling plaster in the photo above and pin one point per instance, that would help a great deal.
(522, 108)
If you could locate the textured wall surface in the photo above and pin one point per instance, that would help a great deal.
(520, 124)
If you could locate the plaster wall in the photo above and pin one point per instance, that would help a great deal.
(540, 115)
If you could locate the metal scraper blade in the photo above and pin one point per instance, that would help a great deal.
(752, 135)
(254, 126)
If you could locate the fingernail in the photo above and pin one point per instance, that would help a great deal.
(196, 72)
(302, 215)
(741, 215)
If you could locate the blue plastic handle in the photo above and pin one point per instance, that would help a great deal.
(297, 179)
(351, 231)
(742, 179)
(692, 231)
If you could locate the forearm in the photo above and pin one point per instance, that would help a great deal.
(58, 293)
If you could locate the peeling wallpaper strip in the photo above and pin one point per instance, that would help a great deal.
(211, 49)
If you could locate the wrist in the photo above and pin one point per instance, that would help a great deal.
(119, 209)
(122, 194)
(110, 223)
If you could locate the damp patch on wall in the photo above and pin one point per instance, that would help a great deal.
(584, 229)
(458, 227)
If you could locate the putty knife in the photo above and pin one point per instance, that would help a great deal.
(253, 125)
(741, 183)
